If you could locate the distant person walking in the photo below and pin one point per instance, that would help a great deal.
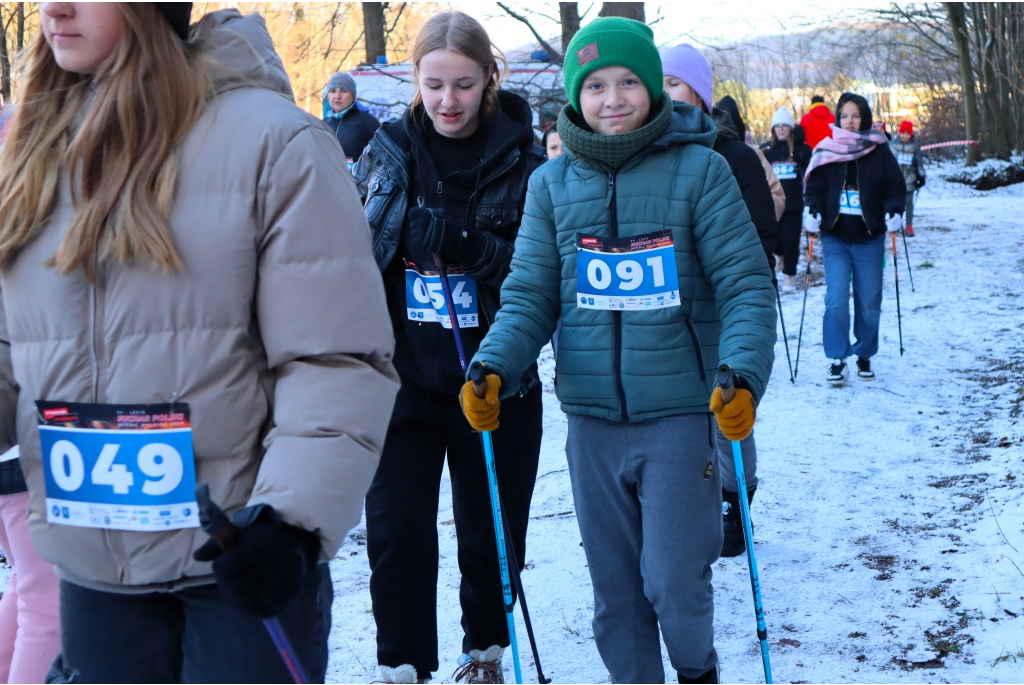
(353, 126)
(817, 122)
(789, 160)
(908, 154)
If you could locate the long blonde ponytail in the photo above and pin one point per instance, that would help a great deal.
(116, 135)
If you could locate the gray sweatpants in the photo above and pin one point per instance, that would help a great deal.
(649, 505)
(728, 467)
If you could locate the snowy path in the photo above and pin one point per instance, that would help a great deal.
(889, 516)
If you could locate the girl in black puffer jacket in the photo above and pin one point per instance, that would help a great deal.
(854, 193)
(789, 160)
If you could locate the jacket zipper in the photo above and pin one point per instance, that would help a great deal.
(613, 211)
(700, 355)
(856, 171)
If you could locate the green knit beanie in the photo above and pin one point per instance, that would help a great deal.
(612, 42)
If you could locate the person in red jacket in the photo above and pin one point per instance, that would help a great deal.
(817, 121)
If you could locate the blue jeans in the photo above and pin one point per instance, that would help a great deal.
(865, 262)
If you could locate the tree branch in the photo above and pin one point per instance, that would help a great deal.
(543, 43)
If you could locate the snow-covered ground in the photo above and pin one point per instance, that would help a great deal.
(890, 517)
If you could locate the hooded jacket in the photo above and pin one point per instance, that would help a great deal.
(637, 365)
(396, 167)
(877, 177)
(729, 106)
(817, 123)
(913, 173)
(745, 164)
(275, 332)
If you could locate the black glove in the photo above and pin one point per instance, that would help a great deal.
(447, 238)
(266, 566)
(919, 183)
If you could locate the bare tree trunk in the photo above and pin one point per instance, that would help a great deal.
(5, 63)
(958, 27)
(988, 32)
(569, 14)
(21, 26)
(373, 31)
(629, 10)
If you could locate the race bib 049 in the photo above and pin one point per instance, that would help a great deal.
(786, 171)
(905, 158)
(626, 274)
(118, 466)
(849, 203)
(425, 301)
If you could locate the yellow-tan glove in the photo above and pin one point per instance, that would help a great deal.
(737, 418)
(482, 414)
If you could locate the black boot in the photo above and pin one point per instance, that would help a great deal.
(732, 524)
(709, 677)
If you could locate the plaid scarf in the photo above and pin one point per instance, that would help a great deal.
(844, 146)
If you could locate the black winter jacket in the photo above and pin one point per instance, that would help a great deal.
(390, 178)
(354, 131)
(749, 172)
(800, 157)
(879, 180)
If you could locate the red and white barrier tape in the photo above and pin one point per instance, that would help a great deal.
(952, 143)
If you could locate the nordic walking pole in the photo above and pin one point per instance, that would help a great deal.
(807, 283)
(896, 271)
(778, 298)
(496, 508)
(217, 525)
(518, 582)
(906, 251)
(478, 376)
(726, 381)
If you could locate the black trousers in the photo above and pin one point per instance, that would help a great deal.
(189, 636)
(788, 244)
(401, 521)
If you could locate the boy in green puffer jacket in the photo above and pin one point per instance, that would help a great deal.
(639, 240)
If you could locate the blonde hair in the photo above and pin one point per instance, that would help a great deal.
(116, 134)
(461, 33)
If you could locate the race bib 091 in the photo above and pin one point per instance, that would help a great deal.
(849, 203)
(425, 301)
(626, 274)
(785, 171)
(118, 466)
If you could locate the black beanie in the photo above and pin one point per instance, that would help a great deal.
(178, 15)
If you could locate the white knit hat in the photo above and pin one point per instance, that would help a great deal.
(782, 116)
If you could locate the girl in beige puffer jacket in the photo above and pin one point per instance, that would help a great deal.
(183, 250)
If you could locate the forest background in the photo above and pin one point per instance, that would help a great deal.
(956, 69)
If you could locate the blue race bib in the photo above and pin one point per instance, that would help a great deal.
(424, 297)
(118, 466)
(626, 274)
(849, 203)
(786, 171)
(905, 158)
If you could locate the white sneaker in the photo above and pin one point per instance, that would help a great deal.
(406, 673)
(481, 666)
(790, 283)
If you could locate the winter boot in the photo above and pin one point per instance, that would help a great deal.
(406, 673)
(909, 231)
(864, 369)
(732, 526)
(709, 677)
(838, 372)
(480, 666)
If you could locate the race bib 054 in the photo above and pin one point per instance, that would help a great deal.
(849, 203)
(424, 297)
(118, 466)
(626, 274)
(784, 170)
